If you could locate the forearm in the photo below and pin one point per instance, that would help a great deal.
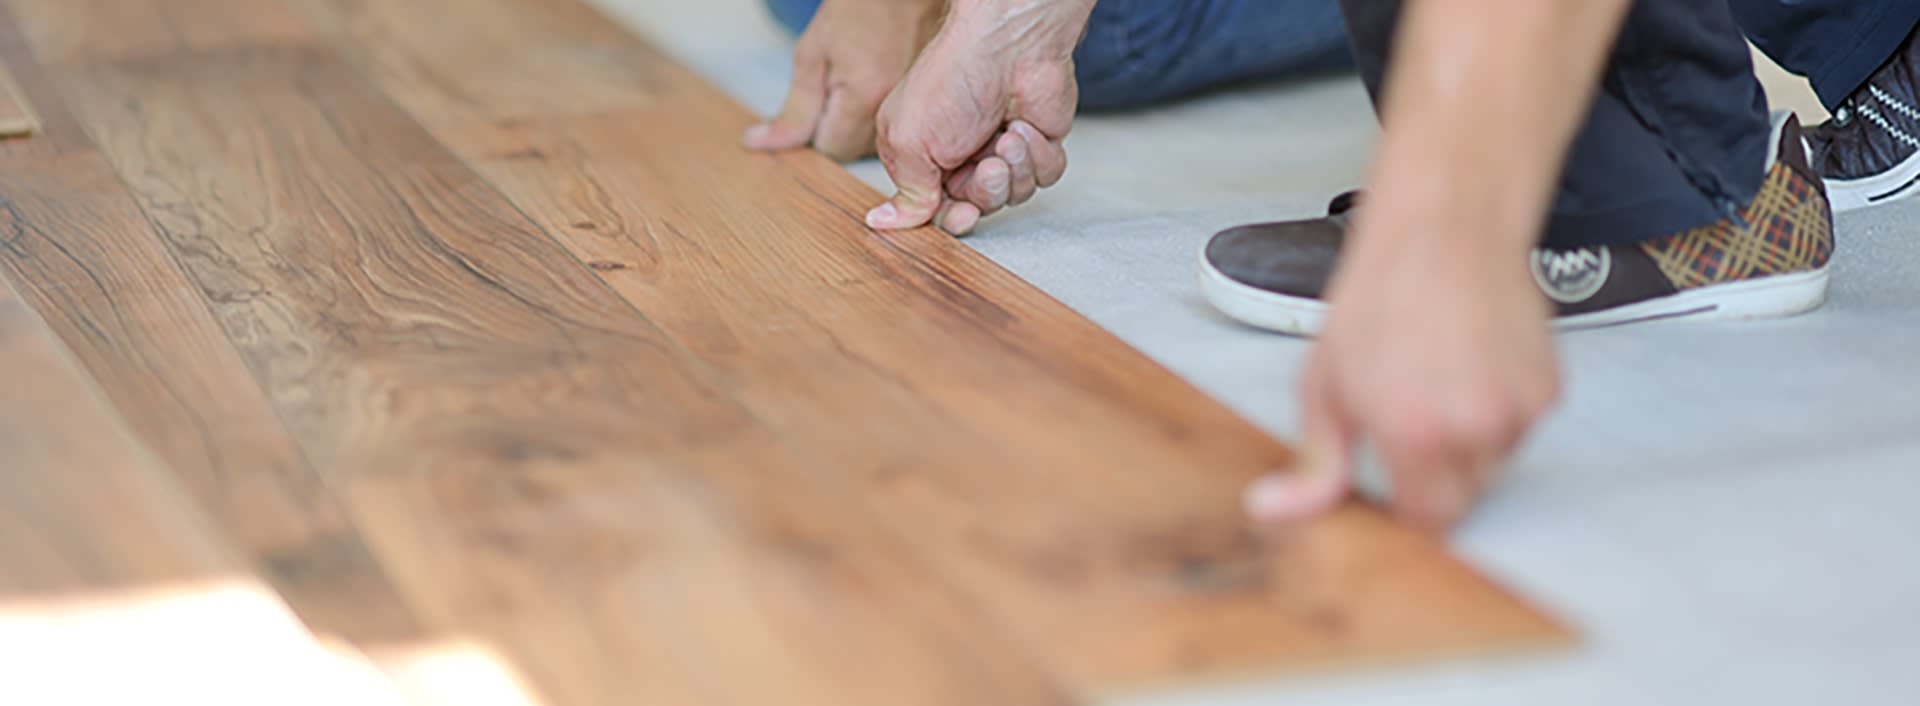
(1481, 102)
(1051, 27)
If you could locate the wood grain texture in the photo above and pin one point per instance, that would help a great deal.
(91, 30)
(1082, 494)
(533, 462)
(105, 563)
(83, 508)
(86, 257)
(481, 317)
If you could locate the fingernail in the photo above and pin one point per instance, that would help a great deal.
(960, 220)
(1016, 151)
(1269, 498)
(756, 133)
(996, 182)
(1026, 131)
(882, 215)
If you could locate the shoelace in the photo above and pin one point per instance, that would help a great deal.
(1864, 106)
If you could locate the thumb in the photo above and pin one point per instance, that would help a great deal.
(917, 184)
(799, 115)
(1322, 474)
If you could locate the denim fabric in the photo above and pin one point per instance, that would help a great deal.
(1676, 136)
(1138, 52)
(1836, 44)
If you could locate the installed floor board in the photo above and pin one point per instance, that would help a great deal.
(84, 255)
(105, 562)
(69, 464)
(535, 465)
(1084, 495)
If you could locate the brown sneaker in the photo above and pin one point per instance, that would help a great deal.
(1869, 153)
(1769, 259)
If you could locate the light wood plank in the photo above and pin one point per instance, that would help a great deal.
(113, 588)
(1083, 494)
(82, 507)
(77, 30)
(535, 464)
(85, 256)
(756, 461)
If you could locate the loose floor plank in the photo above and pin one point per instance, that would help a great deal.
(1083, 495)
(534, 463)
(105, 565)
(641, 506)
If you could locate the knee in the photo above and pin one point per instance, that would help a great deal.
(793, 14)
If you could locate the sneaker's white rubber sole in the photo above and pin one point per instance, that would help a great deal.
(1767, 297)
(1902, 181)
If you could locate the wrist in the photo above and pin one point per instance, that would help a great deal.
(1422, 189)
(1046, 27)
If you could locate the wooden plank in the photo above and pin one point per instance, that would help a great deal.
(107, 568)
(76, 30)
(1086, 496)
(86, 257)
(535, 464)
(82, 507)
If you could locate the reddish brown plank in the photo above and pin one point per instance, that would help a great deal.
(107, 568)
(76, 30)
(536, 466)
(1084, 495)
(82, 507)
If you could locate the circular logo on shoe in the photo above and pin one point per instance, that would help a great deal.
(1571, 276)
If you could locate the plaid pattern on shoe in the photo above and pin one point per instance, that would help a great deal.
(1767, 259)
(1787, 228)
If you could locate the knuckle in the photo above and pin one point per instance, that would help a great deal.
(887, 136)
(1413, 431)
(809, 54)
(1054, 175)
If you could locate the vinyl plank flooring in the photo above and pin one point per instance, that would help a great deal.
(83, 508)
(642, 411)
(533, 462)
(1083, 495)
(91, 30)
(105, 563)
(84, 255)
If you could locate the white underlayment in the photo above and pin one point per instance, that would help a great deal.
(1727, 512)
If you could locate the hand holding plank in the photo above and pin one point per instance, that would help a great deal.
(977, 124)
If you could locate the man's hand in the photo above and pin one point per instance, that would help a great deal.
(1437, 347)
(852, 53)
(1438, 351)
(978, 122)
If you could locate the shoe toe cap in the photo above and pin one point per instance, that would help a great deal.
(1294, 258)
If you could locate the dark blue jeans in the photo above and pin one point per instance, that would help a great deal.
(1678, 131)
(1836, 44)
(1138, 52)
